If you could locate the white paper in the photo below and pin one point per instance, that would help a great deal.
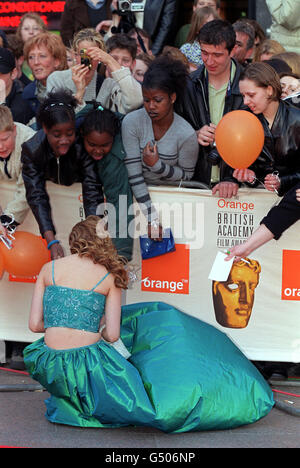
(221, 268)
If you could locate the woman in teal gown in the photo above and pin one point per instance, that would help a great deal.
(169, 370)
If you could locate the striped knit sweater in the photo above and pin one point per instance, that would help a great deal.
(178, 153)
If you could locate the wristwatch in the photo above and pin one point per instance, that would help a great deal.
(6, 220)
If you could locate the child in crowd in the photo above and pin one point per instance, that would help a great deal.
(55, 154)
(12, 136)
(102, 141)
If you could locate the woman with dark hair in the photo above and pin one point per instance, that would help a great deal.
(101, 133)
(278, 166)
(55, 154)
(160, 145)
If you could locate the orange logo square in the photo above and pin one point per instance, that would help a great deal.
(290, 275)
(168, 273)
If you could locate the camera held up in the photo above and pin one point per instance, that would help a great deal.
(85, 58)
(130, 5)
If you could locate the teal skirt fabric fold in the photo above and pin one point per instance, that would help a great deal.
(183, 375)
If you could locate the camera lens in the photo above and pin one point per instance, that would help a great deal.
(124, 5)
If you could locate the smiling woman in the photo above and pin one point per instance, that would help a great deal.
(55, 154)
(44, 53)
(102, 141)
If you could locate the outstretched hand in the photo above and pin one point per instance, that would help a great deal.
(272, 182)
(244, 175)
(225, 189)
(155, 231)
(238, 252)
(79, 74)
(56, 251)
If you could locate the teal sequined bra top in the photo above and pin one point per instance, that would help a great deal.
(73, 308)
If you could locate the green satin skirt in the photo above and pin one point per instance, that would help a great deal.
(183, 375)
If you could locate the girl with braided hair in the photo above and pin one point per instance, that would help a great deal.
(55, 153)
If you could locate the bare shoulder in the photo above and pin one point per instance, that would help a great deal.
(45, 272)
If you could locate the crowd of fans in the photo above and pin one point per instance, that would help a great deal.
(119, 101)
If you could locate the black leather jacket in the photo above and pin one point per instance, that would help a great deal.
(193, 106)
(281, 150)
(160, 20)
(40, 164)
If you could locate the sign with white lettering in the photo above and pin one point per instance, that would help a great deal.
(12, 11)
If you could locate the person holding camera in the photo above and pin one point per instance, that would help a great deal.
(119, 91)
(157, 17)
(211, 92)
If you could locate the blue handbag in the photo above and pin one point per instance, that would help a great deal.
(152, 248)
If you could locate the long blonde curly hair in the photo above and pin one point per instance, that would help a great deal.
(90, 239)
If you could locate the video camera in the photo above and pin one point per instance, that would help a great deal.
(130, 5)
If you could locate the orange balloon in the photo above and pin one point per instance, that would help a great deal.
(239, 138)
(27, 255)
(1, 266)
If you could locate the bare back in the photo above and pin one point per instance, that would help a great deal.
(79, 274)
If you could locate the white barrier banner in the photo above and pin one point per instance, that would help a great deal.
(258, 306)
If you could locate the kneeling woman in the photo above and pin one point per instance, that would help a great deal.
(182, 374)
(54, 154)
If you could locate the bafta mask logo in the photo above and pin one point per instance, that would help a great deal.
(233, 299)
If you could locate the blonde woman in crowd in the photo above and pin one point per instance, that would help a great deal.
(292, 59)
(267, 49)
(118, 92)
